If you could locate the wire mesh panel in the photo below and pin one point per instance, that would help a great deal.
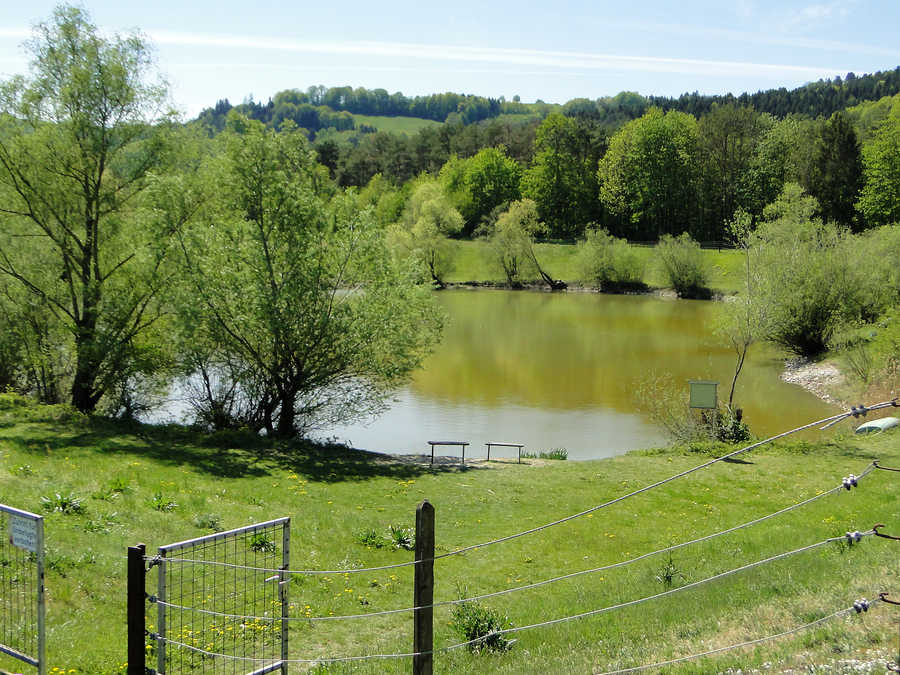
(222, 602)
(22, 586)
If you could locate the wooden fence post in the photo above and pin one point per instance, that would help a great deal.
(137, 598)
(423, 591)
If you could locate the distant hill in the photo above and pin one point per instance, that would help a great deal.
(816, 99)
(345, 109)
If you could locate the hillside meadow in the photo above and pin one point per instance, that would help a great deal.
(159, 485)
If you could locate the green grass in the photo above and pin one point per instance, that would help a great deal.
(472, 263)
(395, 125)
(334, 495)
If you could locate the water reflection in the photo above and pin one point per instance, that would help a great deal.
(560, 370)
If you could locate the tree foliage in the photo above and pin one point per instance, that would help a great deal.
(80, 139)
(562, 179)
(837, 171)
(647, 176)
(423, 230)
(608, 262)
(880, 199)
(511, 239)
(292, 293)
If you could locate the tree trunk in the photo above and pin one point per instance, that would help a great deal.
(286, 416)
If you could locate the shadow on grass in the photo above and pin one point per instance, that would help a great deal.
(227, 454)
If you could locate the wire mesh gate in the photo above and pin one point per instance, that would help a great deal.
(22, 586)
(220, 608)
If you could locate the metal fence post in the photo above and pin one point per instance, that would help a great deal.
(283, 584)
(137, 655)
(423, 591)
(41, 599)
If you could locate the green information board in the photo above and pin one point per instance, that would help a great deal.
(704, 394)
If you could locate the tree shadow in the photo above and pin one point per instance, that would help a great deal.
(230, 454)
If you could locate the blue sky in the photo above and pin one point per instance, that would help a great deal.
(556, 51)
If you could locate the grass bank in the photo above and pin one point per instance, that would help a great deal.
(472, 264)
(335, 497)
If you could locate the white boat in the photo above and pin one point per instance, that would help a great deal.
(877, 426)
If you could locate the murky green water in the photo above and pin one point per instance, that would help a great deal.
(561, 370)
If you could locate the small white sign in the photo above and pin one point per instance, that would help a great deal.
(23, 533)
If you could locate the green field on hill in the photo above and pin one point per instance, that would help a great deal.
(395, 125)
(160, 485)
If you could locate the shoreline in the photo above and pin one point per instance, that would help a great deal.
(818, 378)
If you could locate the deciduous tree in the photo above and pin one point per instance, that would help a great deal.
(80, 139)
(293, 293)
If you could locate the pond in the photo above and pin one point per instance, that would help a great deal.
(562, 370)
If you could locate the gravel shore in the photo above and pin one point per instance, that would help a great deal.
(817, 378)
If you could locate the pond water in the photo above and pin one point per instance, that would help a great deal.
(561, 370)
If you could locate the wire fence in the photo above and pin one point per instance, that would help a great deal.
(184, 634)
(846, 484)
(823, 423)
(215, 590)
(22, 586)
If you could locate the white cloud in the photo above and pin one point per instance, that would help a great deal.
(521, 57)
(811, 17)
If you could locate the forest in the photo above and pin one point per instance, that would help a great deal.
(640, 167)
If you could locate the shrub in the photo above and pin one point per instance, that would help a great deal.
(113, 489)
(398, 537)
(22, 470)
(609, 263)
(475, 622)
(683, 265)
(818, 277)
(668, 406)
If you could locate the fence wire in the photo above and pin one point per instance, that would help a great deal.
(845, 485)
(850, 536)
(748, 643)
(822, 424)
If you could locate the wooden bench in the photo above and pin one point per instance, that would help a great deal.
(460, 443)
(500, 444)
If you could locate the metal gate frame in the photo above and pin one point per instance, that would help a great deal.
(26, 532)
(170, 549)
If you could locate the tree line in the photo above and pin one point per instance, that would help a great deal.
(662, 173)
(816, 99)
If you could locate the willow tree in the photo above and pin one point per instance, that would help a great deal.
(79, 141)
(291, 292)
(424, 229)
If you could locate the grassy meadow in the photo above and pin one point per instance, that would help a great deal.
(472, 263)
(160, 485)
(395, 125)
